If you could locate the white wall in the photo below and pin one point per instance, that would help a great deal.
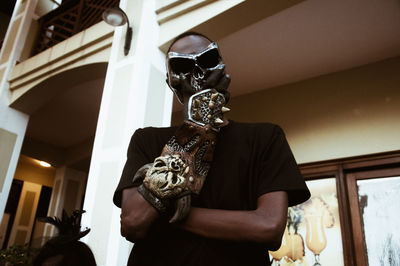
(11, 120)
(134, 96)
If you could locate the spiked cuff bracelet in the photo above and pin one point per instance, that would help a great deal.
(160, 205)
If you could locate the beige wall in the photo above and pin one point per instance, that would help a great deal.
(344, 114)
(7, 143)
(31, 171)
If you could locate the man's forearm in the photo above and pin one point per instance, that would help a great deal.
(229, 225)
(264, 225)
(137, 215)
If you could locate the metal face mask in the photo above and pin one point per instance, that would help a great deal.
(195, 67)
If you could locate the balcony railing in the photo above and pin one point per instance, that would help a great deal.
(69, 18)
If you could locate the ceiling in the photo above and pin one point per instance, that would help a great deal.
(70, 118)
(312, 38)
(309, 39)
(62, 131)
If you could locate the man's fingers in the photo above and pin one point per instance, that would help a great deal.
(214, 78)
(184, 84)
(227, 96)
(182, 208)
(180, 84)
(223, 85)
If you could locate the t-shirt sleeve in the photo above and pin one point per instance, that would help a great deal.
(136, 158)
(279, 170)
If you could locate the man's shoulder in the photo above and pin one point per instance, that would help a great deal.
(258, 133)
(149, 132)
(255, 127)
(154, 130)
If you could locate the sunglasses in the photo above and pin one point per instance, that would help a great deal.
(185, 63)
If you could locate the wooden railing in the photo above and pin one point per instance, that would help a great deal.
(69, 18)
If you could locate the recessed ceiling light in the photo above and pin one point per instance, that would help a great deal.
(44, 164)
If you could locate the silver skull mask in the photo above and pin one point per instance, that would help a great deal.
(167, 176)
(195, 67)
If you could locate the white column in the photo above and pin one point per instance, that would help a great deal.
(135, 95)
(12, 122)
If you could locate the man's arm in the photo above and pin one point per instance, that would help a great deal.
(137, 215)
(264, 225)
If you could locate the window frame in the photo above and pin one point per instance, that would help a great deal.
(346, 171)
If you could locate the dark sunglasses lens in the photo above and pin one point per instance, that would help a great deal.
(181, 65)
(209, 59)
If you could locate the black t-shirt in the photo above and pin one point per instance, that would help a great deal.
(249, 161)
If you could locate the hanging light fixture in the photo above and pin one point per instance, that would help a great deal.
(117, 17)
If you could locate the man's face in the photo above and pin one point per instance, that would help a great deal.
(192, 59)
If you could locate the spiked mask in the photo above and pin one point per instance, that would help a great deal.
(194, 67)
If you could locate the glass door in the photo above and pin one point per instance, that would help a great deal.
(375, 211)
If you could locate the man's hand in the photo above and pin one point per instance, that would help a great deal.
(136, 215)
(217, 79)
(220, 81)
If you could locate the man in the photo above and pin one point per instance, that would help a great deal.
(239, 210)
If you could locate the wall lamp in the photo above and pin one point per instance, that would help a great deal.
(116, 17)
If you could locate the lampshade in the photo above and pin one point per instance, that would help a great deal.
(115, 16)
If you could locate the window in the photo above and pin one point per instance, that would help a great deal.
(351, 200)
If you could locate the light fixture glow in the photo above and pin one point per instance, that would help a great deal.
(44, 164)
(115, 20)
(117, 17)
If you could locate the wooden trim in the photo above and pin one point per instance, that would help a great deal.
(359, 247)
(356, 220)
(68, 19)
(63, 19)
(65, 28)
(63, 8)
(379, 161)
(345, 228)
(79, 16)
(53, 32)
(382, 173)
(355, 162)
(93, 17)
(316, 170)
(345, 220)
